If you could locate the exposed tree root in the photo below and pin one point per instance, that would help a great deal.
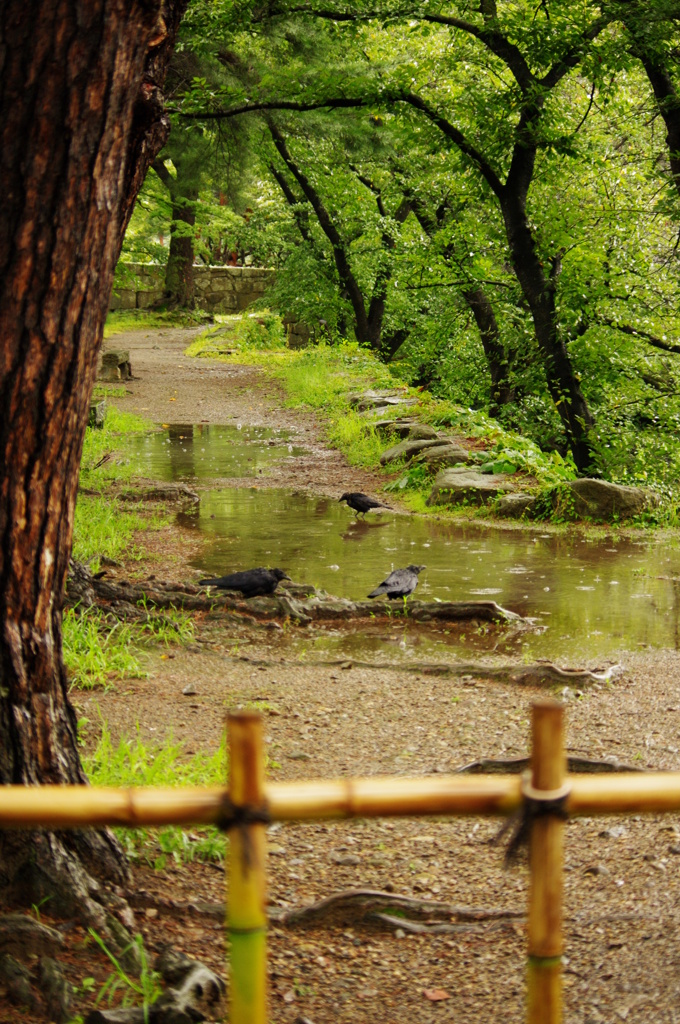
(510, 765)
(363, 908)
(540, 673)
(298, 603)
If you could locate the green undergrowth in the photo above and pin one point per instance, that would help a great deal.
(102, 527)
(250, 332)
(122, 320)
(98, 652)
(134, 762)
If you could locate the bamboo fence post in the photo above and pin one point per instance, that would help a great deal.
(546, 850)
(246, 875)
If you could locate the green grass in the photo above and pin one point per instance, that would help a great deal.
(144, 989)
(97, 652)
(122, 320)
(101, 527)
(108, 391)
(135, 763)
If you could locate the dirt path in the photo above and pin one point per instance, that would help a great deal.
(170, 387)
(622, 876)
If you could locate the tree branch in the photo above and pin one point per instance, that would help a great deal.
(456, 136)
(163, 173)
(329, 229)
(294, 203)
(636, 332)
(573, 55)
(247, 108)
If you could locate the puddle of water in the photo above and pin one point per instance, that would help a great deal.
(206, 451)
(591, 598)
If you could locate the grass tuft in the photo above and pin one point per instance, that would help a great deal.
(135, 763)
(96, 652)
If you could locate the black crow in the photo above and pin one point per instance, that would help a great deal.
(361, 503)
(251, 582)
(399, 583)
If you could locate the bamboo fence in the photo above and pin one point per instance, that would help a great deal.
(250, 802)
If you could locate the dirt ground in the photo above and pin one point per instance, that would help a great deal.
(622, 877)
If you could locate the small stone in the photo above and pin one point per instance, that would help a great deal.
(346, 859)
(298, 755)
(612, 833)
(400, 933)
(346, 665)
(17, 980)
(151, 912)
(189, 690)
(596, 869)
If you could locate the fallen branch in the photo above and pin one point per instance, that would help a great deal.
(368, 906)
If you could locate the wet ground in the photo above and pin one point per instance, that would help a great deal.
(589, 597)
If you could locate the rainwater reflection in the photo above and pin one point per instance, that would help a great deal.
(592, 597)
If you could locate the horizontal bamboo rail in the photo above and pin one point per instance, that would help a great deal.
(76, 806)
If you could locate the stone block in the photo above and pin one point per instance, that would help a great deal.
(600, 500)
(406, 450)
(466, 486)
(115, 366)
(97, 413)
(423, 432)
(514, 506)
(398, 428)
(123, 298)
(446, 455)
(150, 298)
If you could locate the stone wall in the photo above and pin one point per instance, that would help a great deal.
(218, 289)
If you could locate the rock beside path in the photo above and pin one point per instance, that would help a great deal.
(599, 499)
(467, 486)
(442, 455)
(406, 450)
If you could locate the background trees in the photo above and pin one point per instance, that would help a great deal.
(487, 195)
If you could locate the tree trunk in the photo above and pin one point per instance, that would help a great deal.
(80, 121)
(502, 390)
(365, 335)
(180, 287)
(539, 292)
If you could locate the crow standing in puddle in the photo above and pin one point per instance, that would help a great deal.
(361, 503)
(399, 583)
(251, 582)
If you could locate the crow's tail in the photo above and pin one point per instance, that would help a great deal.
(203, 583)
(378, 592)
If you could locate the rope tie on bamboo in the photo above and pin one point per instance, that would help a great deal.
(233, 816)
(536, 803)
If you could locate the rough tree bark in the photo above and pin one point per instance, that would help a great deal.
(81, 119)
